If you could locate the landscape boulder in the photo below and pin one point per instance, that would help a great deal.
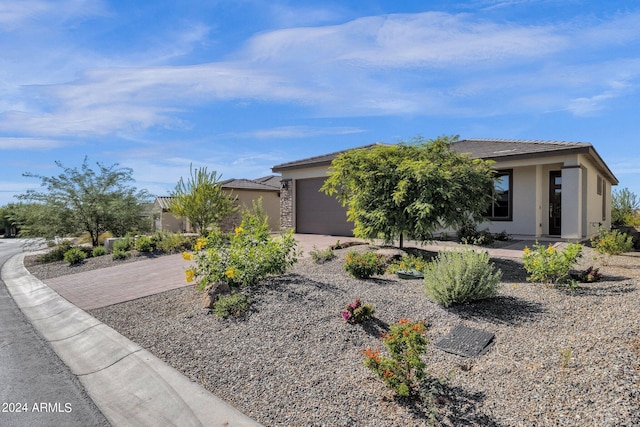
(213, 292)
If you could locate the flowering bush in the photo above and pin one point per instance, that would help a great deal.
(404, 371)
(546, 264)
(365, 265)
(244, 258)
(356, 312)
(612, 242)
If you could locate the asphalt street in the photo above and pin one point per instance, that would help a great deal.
(36, 387)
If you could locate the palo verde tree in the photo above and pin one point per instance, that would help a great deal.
(88, 200)
(409, 189)
(624, 203)
(201, 199)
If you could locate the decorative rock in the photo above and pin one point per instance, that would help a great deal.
(213, 292)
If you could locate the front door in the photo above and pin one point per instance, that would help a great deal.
(555, 202)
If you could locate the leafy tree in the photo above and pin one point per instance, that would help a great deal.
(88, 200)
(623, 205)
(201, 199)
(413, 189)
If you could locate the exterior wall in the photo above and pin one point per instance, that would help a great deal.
(270, 203)
(593, 201)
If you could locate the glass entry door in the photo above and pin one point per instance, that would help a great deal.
(555, 203)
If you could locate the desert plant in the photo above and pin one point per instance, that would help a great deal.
(356, 312)
(546, 264)
(565, 357)
(245, 258)
(144, 244)
(171, 242)
(99, 251)
(364, 265)
(75, 256)
(612, 242)
(456, 277)
(320, 256)
(403, 371)
(234, 304)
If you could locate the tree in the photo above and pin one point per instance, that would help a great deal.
(88, 200)
(201, 199)
(623, 206)
(413, 189)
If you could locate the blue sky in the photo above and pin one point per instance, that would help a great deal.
(239, 86)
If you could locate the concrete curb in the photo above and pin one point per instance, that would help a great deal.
(129, 385)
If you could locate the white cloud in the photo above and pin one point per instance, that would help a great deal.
(391, 64)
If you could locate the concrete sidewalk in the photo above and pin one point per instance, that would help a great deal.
(129, 385)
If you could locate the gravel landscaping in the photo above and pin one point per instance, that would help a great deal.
(568, 358)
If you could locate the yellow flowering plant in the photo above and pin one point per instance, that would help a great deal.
(244, 257)
(546, 264)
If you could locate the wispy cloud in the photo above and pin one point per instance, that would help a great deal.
(391, 64)
(7, 143)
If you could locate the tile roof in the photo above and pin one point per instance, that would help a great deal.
(322, 160)
(247, 184)
(500, 148)
(272, 180)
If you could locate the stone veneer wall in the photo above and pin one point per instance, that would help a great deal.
(286, 206)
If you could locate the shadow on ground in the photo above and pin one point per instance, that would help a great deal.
(505, 310)
(448, 406)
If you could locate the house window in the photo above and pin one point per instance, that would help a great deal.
(599, 186)
(604, 200)
(501, 208)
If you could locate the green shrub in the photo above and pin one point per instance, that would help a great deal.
(120, 254)
(612, 242)
(250, 255)
(546, 264)
(364, 265)
(144, 244)
(404, 371)
(409, 262)
(320, 256)
(172, 242)
(234, 304)
(457, 277)
(99, 251)
(57, 253)
(123, 244)
(75, 256)
(356, 312)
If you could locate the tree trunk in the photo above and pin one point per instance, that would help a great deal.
(401, 240)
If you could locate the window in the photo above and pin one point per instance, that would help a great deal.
(501, 208)
(604, 200)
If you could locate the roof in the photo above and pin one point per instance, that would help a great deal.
(488, 149)
(163, 202)
(273, 180)
(323, 160)
(247, 184)
(517, 149)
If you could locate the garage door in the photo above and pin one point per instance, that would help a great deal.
(317, 213)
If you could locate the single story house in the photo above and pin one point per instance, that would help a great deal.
(247, 191)
(546, 188)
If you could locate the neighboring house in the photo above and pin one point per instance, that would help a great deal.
(546, 188)
(246, 191)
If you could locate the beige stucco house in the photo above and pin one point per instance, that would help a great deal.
(246, 190)
(546, 188)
